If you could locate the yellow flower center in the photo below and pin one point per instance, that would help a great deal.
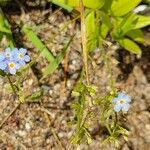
(20, 56)
(11, 65)
(122, 101)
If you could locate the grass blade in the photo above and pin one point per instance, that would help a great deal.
(53, 65)
(38, 43)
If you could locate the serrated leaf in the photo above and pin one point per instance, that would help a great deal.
(122, 7)
(136, 35)
(130, 45)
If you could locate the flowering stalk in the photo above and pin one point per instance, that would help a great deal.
(11, 60)
(84, 41)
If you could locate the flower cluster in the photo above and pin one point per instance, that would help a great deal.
(121, 102)
(13, 59)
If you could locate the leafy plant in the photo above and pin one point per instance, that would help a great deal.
(99, 20)
(114, 18)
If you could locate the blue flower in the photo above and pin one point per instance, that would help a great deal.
(9, 53)
(12, 59)
(21, 56)
(121, 102)
(12, 67)
(3, 63)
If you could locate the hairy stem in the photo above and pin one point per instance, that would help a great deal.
(84, 41)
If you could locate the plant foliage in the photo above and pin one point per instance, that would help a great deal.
(114, 18)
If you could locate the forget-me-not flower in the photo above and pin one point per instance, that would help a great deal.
(12, 67)
(9, 53)
(12, 59)
(121, 102)
(21, 56)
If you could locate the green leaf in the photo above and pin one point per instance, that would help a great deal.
(54, 64)
(93, 4)
(106, 25)
(5, 29)
(69, 4)
(104, 30)
(125, 24)
(106, 7)
(122, 7)
(136, 35)
(92, 31)
(62, 4)
(38, 43)
(35, 96)
(130, 45)
(142, 21)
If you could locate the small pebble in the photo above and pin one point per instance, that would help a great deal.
(28, 127)
(21, 133)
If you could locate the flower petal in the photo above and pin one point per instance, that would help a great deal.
(8, 50)
(115, 100)
(127, 98)
(22, 63)
(2, 56)
(121, 95)
(3, 65)
(117, 107)
(125, 107)
(12, 71)
(26, 58)
(22, 50)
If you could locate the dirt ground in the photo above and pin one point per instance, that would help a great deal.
(44, 126)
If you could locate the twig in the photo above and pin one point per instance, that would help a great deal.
(6, 118)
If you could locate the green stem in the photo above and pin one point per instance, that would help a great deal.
(84, 42)
(11, 84)
(116, 119)
(108, 128)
